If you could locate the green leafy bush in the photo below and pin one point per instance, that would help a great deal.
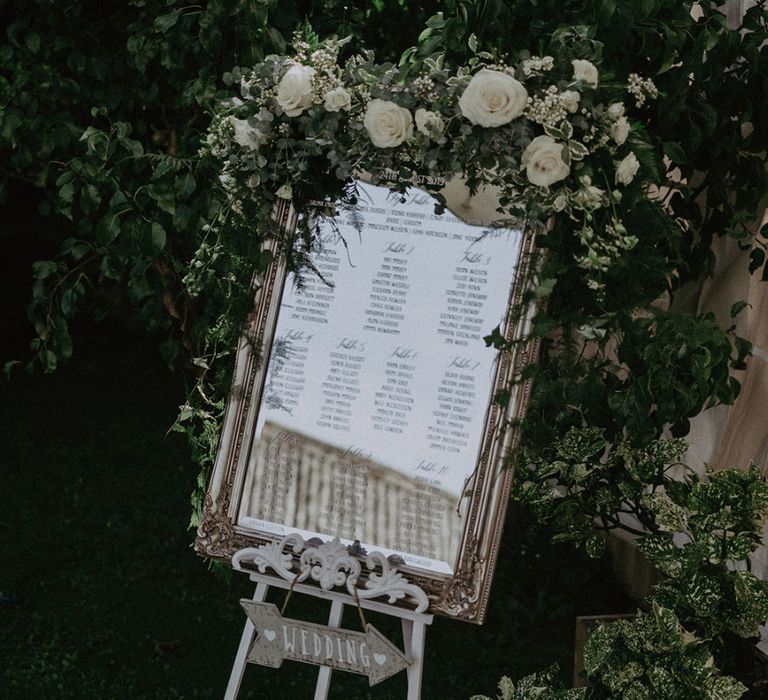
(653, 657)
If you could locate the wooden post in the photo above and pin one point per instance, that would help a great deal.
(324, 674)
(238, 668)
(414, 637)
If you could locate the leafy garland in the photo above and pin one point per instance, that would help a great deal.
(552, 138)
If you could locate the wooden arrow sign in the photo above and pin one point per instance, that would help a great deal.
(368, 653)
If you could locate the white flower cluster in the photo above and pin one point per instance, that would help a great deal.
(535, 64)
(641, 89)
(295, 91)
(552, 107)
(423, 89)
(326, 78)
(430, 124)
(301, 86)
(627, 169)
(589, 197)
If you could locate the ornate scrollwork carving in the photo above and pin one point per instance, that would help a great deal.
(332, 565)
(389, 582)
(214, 534)
(272, 556)
(460, 597)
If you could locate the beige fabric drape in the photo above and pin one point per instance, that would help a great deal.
(729, 437)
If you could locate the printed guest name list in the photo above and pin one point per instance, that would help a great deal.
(381, 350)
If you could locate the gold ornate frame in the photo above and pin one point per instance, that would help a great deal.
(463, 595)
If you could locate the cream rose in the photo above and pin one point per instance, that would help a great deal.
(429, 123)
(337, 99)
(493, 98)
(570, 100)
(620, 130)
(616, 110)
(543, 161)
(584, 71)
(589, 197)
(387, 124)
(627, 169)
(246, 135)
(294, 91)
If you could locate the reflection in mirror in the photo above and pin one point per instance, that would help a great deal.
(378, 381)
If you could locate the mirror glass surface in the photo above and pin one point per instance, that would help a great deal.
(378, 380)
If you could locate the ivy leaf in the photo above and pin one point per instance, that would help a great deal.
(158, 237)
(607, 9)
(756, 259)
(738, 307)
(675, 152)
(709, 116)
(724, 688)
(33, 42)
(165, 22)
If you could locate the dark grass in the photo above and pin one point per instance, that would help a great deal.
(102, 594)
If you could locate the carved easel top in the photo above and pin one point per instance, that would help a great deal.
(332, 565)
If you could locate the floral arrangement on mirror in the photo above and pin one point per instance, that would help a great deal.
(551, 137)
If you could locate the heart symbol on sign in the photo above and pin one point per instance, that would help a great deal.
(270, 635)
(379, 659)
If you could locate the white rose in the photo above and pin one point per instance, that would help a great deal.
(615, 111)
(294, 91)
(543, 161)
(337, 99)
(493, 98)
(387, 124)
(246, 135)
(429, 123)
(627, 169)
(584, 71)
(620, 130)
(570, 100)
(589, 197)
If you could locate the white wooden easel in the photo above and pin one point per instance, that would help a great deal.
(326, 564)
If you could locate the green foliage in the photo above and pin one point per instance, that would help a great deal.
(103, 107)
(711, 79)
(631, 375)
(203, 426)
(722, 521)
(538, 686)
(652, 657)
(648, 657)
(698, 533)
